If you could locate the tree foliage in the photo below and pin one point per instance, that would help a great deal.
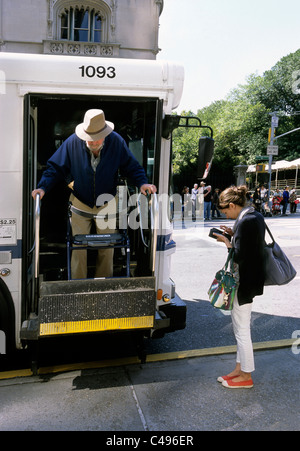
(241, 121)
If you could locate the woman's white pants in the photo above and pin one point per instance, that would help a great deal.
(241, 320)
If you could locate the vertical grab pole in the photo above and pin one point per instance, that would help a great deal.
(154, 211)
(154, 218)
(37, 249)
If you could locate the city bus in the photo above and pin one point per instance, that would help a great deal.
(42, 99)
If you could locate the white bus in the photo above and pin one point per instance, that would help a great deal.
(42, 99)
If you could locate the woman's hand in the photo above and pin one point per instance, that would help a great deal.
(227, 230)
(224, 239)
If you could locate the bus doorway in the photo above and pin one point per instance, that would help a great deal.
(52, 119)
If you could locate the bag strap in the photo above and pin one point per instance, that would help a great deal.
(229, 259)
(269, 231)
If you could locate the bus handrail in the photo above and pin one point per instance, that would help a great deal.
(154, 209)
(141, 219)
(154, 216)
(37, 217)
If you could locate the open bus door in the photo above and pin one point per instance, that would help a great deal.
(205, 144)
(54, 305)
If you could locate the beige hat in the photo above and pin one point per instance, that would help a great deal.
(94, 126)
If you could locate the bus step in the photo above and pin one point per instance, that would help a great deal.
(95, 305)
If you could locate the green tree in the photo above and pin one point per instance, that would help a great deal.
(241, 121)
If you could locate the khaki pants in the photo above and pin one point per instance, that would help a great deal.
(82, 226)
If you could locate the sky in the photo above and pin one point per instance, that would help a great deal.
(221, 42)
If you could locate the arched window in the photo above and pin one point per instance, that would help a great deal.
(81, 24)
(81, 28)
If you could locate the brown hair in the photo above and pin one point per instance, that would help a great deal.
(233, 194)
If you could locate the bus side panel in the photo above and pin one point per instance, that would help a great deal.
(11, 162)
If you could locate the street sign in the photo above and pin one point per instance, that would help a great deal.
(272, 150)
(275, 120)
(262, 158)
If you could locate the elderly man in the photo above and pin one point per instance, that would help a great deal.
(92, 157)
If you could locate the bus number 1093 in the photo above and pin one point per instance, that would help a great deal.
(100, 71)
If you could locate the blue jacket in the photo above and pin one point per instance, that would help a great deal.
(72, 161)
(285, 196)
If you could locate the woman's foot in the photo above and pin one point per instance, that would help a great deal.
(237, 379)
(227, 377)
(235, 373)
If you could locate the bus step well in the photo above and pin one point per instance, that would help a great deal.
(93, 305)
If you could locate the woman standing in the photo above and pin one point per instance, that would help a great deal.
(248, 243)
(257, 199)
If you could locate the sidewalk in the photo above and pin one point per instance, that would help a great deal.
(188, 222)
(179, 395)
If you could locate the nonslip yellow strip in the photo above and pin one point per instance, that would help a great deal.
(97, 325)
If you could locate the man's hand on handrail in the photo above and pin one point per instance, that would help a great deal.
(39, 191)
(147, 189)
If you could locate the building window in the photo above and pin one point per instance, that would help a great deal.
(83, 25)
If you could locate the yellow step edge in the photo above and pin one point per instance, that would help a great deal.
(97, 325)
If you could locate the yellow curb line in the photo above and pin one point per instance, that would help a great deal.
(177, 355)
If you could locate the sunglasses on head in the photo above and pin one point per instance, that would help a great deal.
(223, 207)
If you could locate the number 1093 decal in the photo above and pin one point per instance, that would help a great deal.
(100, 71)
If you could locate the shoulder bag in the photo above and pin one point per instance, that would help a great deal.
(222, 291)
(278, 268)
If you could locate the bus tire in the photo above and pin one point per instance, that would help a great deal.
(7, 317)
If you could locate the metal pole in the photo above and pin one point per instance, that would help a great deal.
(270, 166)
(273, 121)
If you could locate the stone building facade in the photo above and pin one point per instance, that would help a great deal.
(106, 28)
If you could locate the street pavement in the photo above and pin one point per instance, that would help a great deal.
(178, 392)
(180, 396)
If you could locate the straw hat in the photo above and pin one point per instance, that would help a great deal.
(94, 126)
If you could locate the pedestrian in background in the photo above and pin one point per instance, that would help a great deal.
(215, 203)
(194, 195)
(185, 202)
(201, 199)
(207, 202)
(292, 199)
(257, 199)
(285, 200)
